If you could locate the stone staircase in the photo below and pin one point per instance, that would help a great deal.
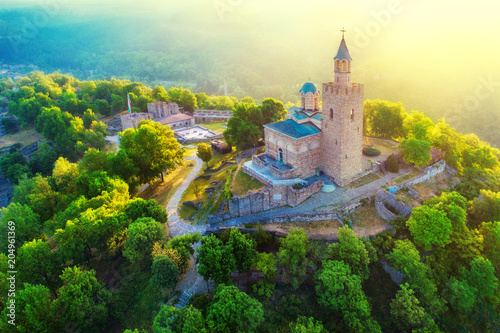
(183, 300)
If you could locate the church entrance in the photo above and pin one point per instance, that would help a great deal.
(280, 155)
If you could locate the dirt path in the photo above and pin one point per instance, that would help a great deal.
(176, 225)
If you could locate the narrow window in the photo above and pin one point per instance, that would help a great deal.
(352, 115)
(346, 156)
(331, 113)
(280, 155)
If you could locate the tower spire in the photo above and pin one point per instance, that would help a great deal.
(342, 30)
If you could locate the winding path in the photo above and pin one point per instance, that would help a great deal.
(176, 225)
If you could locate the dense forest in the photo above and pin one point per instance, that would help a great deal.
(92, 257)
(261, 54)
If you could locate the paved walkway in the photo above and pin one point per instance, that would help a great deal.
(318, 201)
(176, 225)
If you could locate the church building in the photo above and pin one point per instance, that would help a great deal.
(314, 141)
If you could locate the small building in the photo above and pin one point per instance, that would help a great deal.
(162, 109)
(206, 116)
(221, 147)
(176, 121)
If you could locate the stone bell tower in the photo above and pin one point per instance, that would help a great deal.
(342, 122)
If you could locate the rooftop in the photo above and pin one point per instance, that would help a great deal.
(173, 119)
(292, 129)
(343, 52)
(308, 87)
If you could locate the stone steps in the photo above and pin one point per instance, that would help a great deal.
(183, 300)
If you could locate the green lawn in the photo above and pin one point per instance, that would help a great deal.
(196, 190)
(24, 137)
(412, 174)
(218, 127)
(243, 183)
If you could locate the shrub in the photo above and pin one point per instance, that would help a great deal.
(297, 186)
(391, 164)
(370, 151)
(248, 225)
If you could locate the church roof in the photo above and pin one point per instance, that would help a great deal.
(308, 87)
(294, 109)
(343, 52)
(292, 129)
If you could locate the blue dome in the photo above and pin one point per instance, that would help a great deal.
(308, 87)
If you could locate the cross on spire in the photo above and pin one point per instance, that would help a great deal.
(343, 30)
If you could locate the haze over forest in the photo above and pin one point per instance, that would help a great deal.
(436, 57)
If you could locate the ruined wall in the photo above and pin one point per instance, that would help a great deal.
(429, 172)
(271, 197)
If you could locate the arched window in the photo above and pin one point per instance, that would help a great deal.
(344, 67)
(280, 155)
(331, 113)
(352, 114)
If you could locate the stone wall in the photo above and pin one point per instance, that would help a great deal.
(429, 172)
(269, 198)
(284, 174)
(396, 276)
(132, 120)
(384, 199)
(258, 162)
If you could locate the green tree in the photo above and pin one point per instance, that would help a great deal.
(88, 117)
(406, 311)
(191, 320)
(82, 300)
(188, 100)
(21, 220)
(351, 251)
(460, 295)
(233, 311)
(485, 208)
(215, 260)
(142, 235)
(243, 247)
(94, 160)
(307, 325)
(482, 277)
(430, 227)
(164, 273)
(39, 265)
(139, 207)
(42, 161)
(13, 165)
(122, 166)
(38, 195)
(383, 119)
(183, 245)
(33, 311)
(204, 152)
(243, 129)
(391, 164)
(340, 290)
(416, 152)
(293, 256)
(417, 125)
(9, 125)
(117, 103)
(272, 110)
(247, 99)
(103, 107)
(165, 319)
(491, 234)
(153, 149)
